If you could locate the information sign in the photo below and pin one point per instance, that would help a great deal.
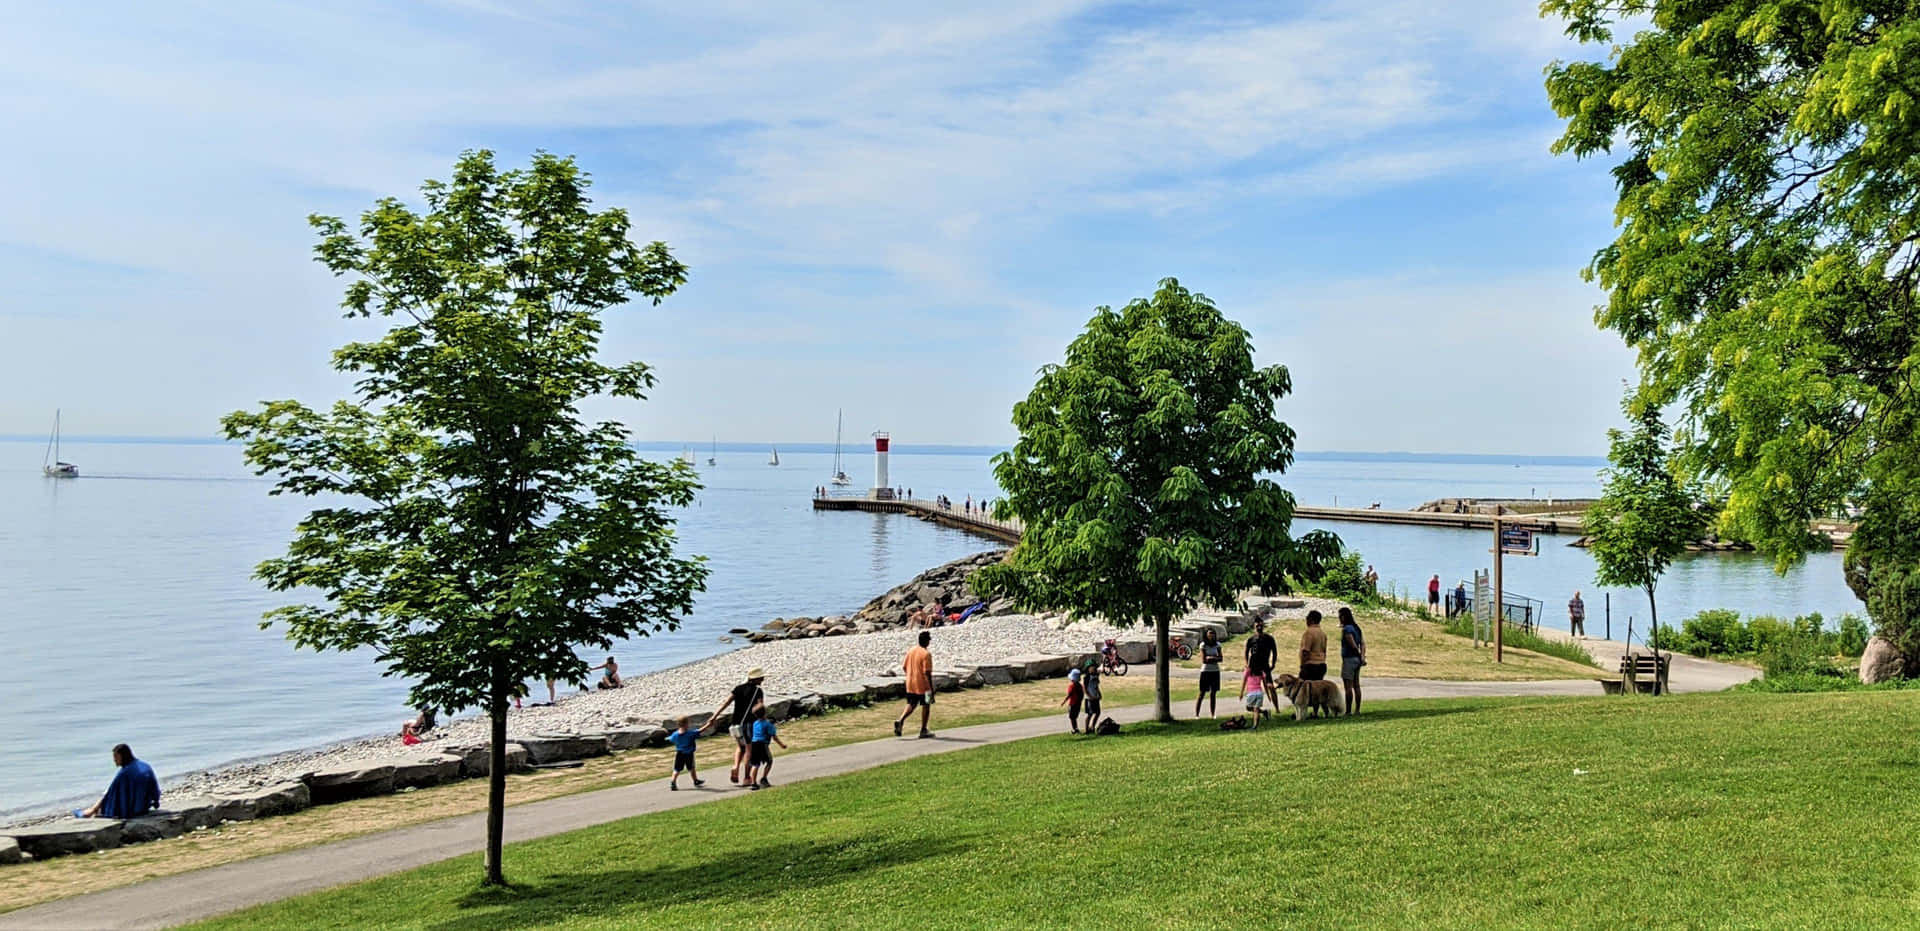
(1516, 541)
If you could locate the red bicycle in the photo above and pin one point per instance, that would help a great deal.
(1110, 662)
(1177, 646)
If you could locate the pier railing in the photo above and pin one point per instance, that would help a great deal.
(974, 521)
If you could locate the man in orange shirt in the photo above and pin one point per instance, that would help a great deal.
(919, 669)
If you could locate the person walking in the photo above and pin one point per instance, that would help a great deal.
(685, 739)
(919, 669)
(1210, 656)
(1433, 593)
(1460, 598)
(1090, 684)
(1313, 650)
(744, 698)
(1262, 651)
(1353, 655)
(1577, 615)
(1253, 693)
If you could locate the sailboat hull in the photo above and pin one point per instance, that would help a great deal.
(61, 470)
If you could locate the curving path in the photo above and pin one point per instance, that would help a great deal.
(202, 894)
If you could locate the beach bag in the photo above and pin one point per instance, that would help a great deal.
(1107, 727)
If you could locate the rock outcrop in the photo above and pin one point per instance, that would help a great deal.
(945, 585)
(67, 836)
(1881, 662)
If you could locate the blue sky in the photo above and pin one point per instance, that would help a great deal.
(902, 210)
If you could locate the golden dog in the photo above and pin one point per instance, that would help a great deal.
(1316, 696)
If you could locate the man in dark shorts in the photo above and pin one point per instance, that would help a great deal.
(1261, 653)
(919, 669)
(1210, 656)
(1313, 650)
(1433, 593)
(1353, 655)
(745, 697)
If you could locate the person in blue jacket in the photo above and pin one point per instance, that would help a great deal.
(133, 792)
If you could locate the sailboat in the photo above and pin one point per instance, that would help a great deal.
(686, 455)
(715, 452)
(50, 464)
(839, 476)
(773, 458)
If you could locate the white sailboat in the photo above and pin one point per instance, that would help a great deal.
(686, 455)
(715, 452)
(839, 475)
(773, 458)
(50, 464)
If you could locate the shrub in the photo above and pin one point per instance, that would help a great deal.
(1345, 578)
(1763, 631)
(1853, 635)
(1717, 631)
(1798, 655)
(1677, 641)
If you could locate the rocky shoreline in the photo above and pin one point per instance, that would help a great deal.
(805, 674)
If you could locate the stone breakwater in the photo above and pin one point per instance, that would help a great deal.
(944, 586)
(803, 677)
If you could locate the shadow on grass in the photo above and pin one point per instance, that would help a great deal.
(740, 876)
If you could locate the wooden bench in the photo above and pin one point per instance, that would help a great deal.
(1643, 672)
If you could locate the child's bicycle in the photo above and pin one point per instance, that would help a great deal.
(1177, 646)
(1110, 662)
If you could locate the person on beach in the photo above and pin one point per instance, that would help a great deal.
(1210, 656)
(133, 792)
(919, 669)
(1433, 593)
(1075, 696)
(1253, 693)
(611, 680)
(744, 698)
(1577, 615)
(1372, 579)
(760, 753)
(412, 728)
(1353, 655)
(1313, 650)
(1090, 684)
(684, 739)
(1262, 651)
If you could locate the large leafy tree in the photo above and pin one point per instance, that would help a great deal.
(1141, 474)
(1768, 255)
(1645, 517)
(473, 528)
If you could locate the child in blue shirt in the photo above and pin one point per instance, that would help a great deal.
(684, 738)
(759, 755)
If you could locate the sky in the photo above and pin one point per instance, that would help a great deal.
(899, 210)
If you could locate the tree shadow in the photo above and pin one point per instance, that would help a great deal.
(738, 876)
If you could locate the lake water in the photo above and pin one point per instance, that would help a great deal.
(130, 612)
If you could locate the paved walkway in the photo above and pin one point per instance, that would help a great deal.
(202, 894)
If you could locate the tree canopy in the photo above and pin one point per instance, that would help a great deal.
(1768, 253)
(1645, 517)
(473, 529)
(1141, 473)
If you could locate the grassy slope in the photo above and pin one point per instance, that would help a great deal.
(1711, 810)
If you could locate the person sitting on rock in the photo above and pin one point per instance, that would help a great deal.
(412, 728)
(611, 680)
(133, 792)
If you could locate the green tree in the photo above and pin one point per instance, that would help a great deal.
(1139, 474)
(1645, 517)
(472, 528)
(1767, 258)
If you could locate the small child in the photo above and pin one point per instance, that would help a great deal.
(1253, 695)
(684, 738)
(1075, 694)
(759, 755)
(1090, 681)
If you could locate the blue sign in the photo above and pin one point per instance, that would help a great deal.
(1516, 541)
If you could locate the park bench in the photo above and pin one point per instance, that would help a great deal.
(1643, 672)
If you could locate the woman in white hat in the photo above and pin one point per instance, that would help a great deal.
(745, 697)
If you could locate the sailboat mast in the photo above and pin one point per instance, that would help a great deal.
(56, 435)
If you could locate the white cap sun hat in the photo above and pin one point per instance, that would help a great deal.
(1073, 675)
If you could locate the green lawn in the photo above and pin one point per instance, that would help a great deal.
(1726, 810)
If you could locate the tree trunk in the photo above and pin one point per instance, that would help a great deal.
(1653, 614)
(1162, 684)
(497, 788)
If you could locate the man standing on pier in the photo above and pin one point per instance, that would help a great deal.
(1577, 615)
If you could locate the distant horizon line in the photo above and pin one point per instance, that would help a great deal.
(930, 449)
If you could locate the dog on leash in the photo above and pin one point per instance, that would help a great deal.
(1317, 696)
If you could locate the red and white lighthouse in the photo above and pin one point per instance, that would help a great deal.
(882, 487)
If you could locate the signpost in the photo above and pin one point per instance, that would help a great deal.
(1519, 542)
(1482, 608)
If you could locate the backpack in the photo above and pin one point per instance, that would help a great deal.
(1107, 727)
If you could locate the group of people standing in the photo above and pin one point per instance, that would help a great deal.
(1262, 656)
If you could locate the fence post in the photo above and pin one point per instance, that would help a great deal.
(1609, 603)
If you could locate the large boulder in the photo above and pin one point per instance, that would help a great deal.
(476, 760)
(1041, 665)
(157, 825)
(634, 738)
(1134, 652)
(843, 694)
(780, 707)
(68, 835)
(807, 704)
(945, 680)
(884, 689)
(204, 812)
(10, 851)
(696, 719)
(342, 783)
(1881, 662)
(420, 772)
(265, 802)
(555, 748)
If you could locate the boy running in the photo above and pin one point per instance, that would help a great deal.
(759, 754)
(684, 738)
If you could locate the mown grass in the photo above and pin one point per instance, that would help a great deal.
(1726, 810)
(1520, 638)
(1402, 645)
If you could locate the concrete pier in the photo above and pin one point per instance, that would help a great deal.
(1002, 531)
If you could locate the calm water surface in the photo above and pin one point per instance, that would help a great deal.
(131, 614)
